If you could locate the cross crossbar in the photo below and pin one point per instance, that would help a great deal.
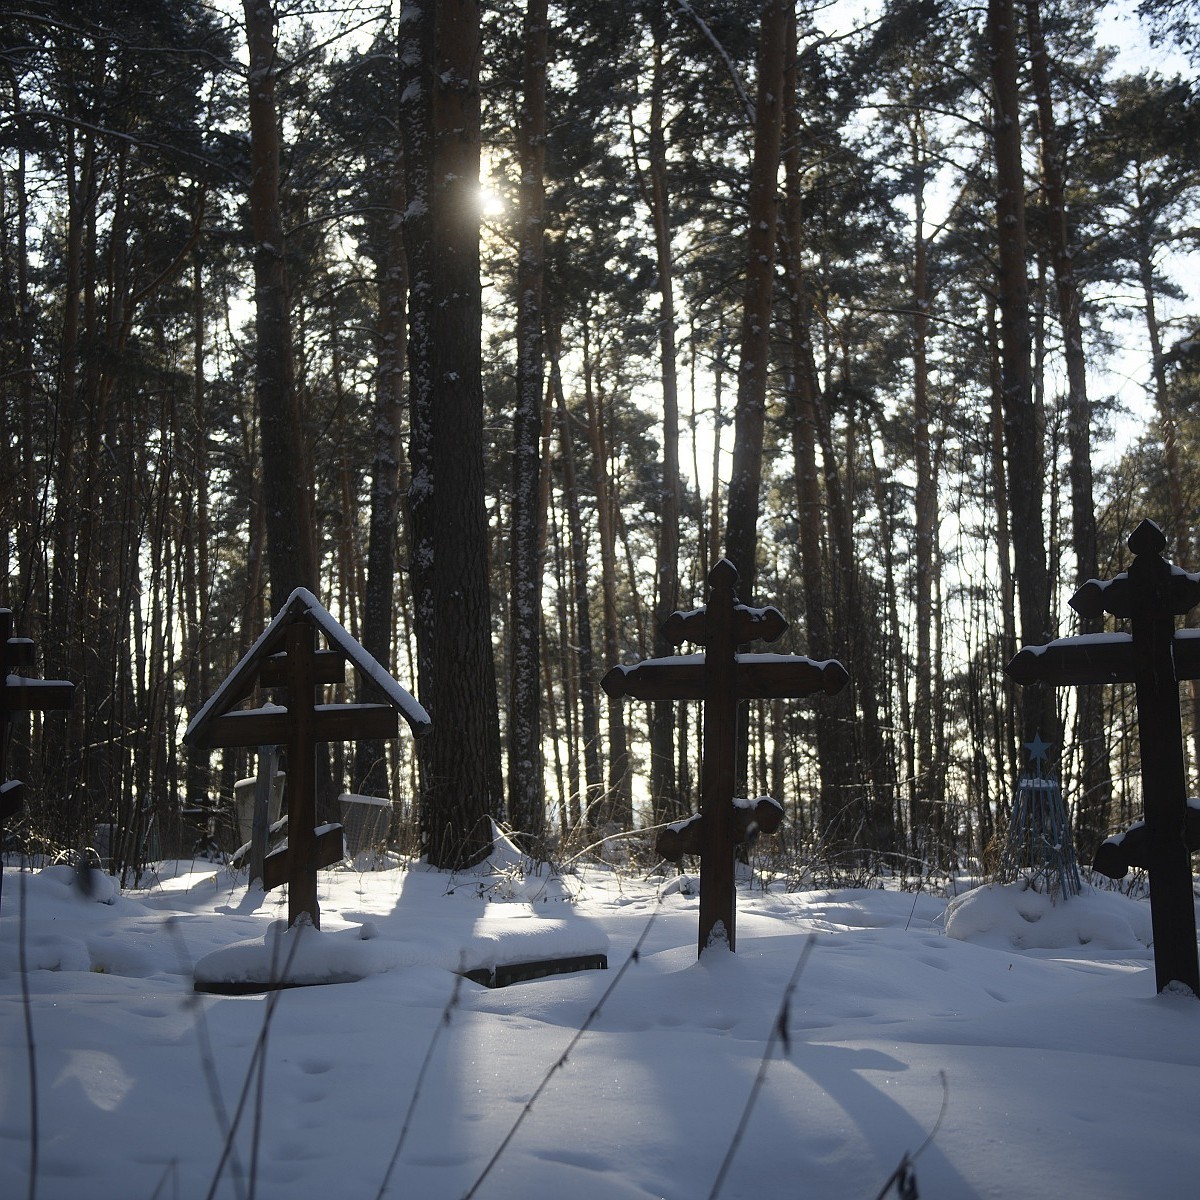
(755, 677)
(1096, 658)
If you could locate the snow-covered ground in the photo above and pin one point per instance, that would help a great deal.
(1026, 1037)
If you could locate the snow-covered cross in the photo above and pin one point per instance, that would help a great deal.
(286, 657)
(722, 678)
(1155, 657)
(21, 694)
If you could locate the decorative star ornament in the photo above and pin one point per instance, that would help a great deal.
(1037, 749)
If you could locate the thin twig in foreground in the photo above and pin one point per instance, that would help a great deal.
(561, 1061)
(170, 1175)
(207, 1057)
(779, 1032)
(444, 1023)
(256, 1058)
(902, 1175)
(30, 1047)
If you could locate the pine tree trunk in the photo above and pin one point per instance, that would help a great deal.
(391, 275)
(567, 636)
(526, 785)
(1092, 820)
(287, 488)
(617, 808)
(195, 550)
(580, 573)
(664, 795)
(803, 400)
(461, 783)
(1005, 726)
(1023, 423)
(928, 808)
(741, 531)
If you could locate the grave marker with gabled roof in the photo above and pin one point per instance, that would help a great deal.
(286, 657)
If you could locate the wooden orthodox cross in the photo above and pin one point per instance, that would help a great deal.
(722, 678)
(21, 694)
(1155, 658)
(286, 657)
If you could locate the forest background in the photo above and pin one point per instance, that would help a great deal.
(893, 305)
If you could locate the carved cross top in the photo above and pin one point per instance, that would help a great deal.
(1155, 658)
(722, 678)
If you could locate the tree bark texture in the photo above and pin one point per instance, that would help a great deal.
(391, 274)
(1023, 423)
(664, 794)
(617, 803)
(287, 488)
(526, 786)
(580, 575)
(1092, 820)
(461, 785)
(741, 530)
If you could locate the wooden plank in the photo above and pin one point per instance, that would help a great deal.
(331, 723)
(753, 677)
(260, 823)
(1115, 596)
(757, 625)
(18, 652)
(352, 722)
(1186, 653)
(1090, 659)
(718, 908)
(249, 727)
(271, 672)
(689, 626)
(658, 679)
(329, 667)
(749, 625)
(10, 798)
(37, 695)
(330, 850)
(1079, 661)
(773, 677)
(276, 868)
(302, 776)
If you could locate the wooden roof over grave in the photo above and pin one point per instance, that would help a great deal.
(217, 723)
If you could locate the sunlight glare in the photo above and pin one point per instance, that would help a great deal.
(491, 203)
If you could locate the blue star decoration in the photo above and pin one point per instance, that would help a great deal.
(1037, 749)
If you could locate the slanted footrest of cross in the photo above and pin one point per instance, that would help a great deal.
(749, 818)
(1115, 855)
